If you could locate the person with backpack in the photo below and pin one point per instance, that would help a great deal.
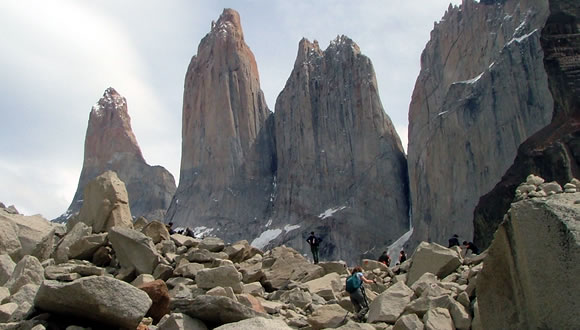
(314, 242)
(355, 288)
(453, 241)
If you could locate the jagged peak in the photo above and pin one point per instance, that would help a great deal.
(110, 99)
(228, 24)
(306, 51)
(341, 43)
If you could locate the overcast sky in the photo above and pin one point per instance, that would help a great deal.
(57, 57)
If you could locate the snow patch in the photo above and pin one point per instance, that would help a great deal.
(442, 113)
(202, 231)
(394, 249)
(269, 223)
(470, 81)
(265, 237)
(330, 212)
(288, 228)
(522, 38)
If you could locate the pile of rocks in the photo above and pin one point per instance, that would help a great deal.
(143, 277)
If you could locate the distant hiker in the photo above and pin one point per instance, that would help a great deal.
(384, 258)
(188, 232)
(454, 241)
(470, 246)
(169, 227)
(356, 290)
(402, 256)
(314, 242)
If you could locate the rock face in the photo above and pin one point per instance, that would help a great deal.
(482, 91)
(535, 253)
(22, 235)
(111, 145)
(554, 152)
(341, 166)
(227, 151)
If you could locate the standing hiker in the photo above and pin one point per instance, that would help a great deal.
(402, 256)
(356, 290)
(314, 242)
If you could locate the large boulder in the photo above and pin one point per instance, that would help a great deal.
(119, 303)
(438, 319)
(28, 270)
(159, 294)
(215, 310)
(327, 316)
(389, 305)
(105, 204)
(24, 298)
(326, 286)
(432, 258)
(528, 278)
(409, 322)
(256, 323)
(282, 264)
(156, 230)
(134, 250)
(86, 247)
(78, 231)
(220, 276)
(34, 233)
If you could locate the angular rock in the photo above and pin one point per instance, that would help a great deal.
(35, 234)
(142, 279)
(251, 301)
(188, 270)
(86, 247)
(338, 267)
(215, 309)
(409, 322)
(105, 204)
(6, 268)
(327, 316)
(78, 231)
(140, 223)
(182, 240)
(221, 276)
(180, 321)
(27, 271)
(284, 264)
(326, 286)
(254, 288)
(134, 250)
(423, 283)
(460, 315)
(103, 256)
(389, 305)
(24, 298)
(9, 242)
(163, 272)
(120, 304)
(223, 292)
(432, 258)
(212, 244)
(297, 297)
(159, 294)
(4, 293)
(110, 145)
(6, 312)
(256, 323)
(356, 326)
(438, 319)
(507, 295)
(156, 230)
(422, 305)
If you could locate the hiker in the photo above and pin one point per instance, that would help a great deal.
(314, 242)
(402, 256)
(169, 227)
(470, 246)
(454, 241)
(356, 290)
(384, 258)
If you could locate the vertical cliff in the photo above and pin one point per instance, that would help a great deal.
(554, 152)
(111, 145)
(227, 147)
(341, 167)
(481, 92)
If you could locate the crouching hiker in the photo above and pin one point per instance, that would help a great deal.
(356, 290)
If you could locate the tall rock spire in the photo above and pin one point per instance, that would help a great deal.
(341, 167)
(227, 149)
(111, 145)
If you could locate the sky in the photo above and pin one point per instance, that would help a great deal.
(57, 58)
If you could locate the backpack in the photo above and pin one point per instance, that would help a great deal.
(353, 282)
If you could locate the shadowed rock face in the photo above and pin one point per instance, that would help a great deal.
(227, 151)
(482, 91)
(554, 152)
(111, 145)
(337, 152)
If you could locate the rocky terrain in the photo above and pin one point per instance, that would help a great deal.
(111, 145)
(483, 89)
(138, 276)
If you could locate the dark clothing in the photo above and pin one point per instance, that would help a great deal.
(384, 258)
(472, 247)
(359, 300)
(402, 258)
(453, 241)
(314, 242)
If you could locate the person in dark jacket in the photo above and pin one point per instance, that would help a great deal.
(454, 241)
(402, 256)
(314, 242)
(470, 246)
(384, 258)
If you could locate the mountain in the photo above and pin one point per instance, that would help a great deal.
(228, 160)
(341, 167)
(111, 145)
(482, 91)
(554, 152)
